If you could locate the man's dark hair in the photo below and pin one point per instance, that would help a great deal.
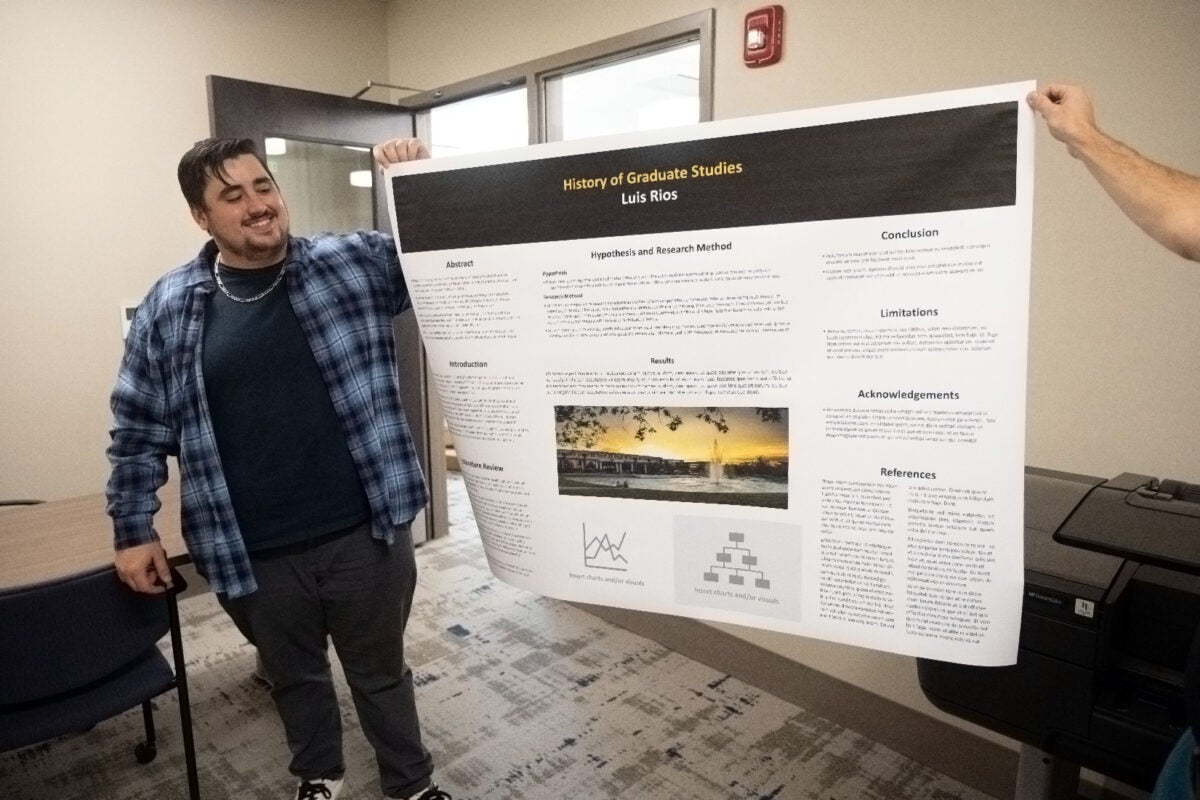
(207, 160)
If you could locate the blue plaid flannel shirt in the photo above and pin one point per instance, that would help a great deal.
(345, 291)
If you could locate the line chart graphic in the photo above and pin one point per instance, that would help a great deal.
(600, 552)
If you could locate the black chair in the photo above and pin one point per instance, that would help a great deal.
(81, 649)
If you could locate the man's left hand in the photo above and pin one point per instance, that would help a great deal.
(396, 150)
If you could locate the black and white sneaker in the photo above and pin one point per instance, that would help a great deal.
(319, 789)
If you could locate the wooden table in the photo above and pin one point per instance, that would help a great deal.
(62, 537)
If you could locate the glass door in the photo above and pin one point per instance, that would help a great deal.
(327, 186)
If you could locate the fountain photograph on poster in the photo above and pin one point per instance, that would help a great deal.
(727, 455)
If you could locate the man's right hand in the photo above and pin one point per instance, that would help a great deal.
(144, 568)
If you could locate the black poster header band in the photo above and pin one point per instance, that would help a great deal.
(949, 160)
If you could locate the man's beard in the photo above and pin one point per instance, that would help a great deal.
(251, 249)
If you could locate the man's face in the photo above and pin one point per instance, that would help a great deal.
(245, 214)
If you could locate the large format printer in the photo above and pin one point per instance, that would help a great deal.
(1112, 602)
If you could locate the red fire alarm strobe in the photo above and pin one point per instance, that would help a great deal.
(763, 43)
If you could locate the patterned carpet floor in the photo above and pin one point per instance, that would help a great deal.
(520, 696)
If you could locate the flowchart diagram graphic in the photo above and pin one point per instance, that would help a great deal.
(743, 566)
(600, 552)
(737, 562)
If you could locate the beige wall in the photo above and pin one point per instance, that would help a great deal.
(1114, 331)
(99, 99)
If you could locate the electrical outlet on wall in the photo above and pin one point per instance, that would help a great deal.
(127, 309)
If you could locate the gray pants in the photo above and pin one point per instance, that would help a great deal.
(357, 591)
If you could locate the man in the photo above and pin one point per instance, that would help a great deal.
(1165, 203)
(266, 365)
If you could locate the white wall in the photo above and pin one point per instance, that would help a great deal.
(99, 99)
(1114, 332)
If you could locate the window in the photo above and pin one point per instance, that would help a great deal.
(653, 78)
(637, 93)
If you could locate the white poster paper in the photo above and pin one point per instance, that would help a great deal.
(768, 371)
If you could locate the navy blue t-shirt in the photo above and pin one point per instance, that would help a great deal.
(282, 448)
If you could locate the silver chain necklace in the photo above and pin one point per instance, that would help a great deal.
(235, 298)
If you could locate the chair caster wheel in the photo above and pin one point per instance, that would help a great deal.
(145, 753)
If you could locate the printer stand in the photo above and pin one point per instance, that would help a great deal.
(1042, 776)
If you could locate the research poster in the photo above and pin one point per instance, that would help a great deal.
(767, 371)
